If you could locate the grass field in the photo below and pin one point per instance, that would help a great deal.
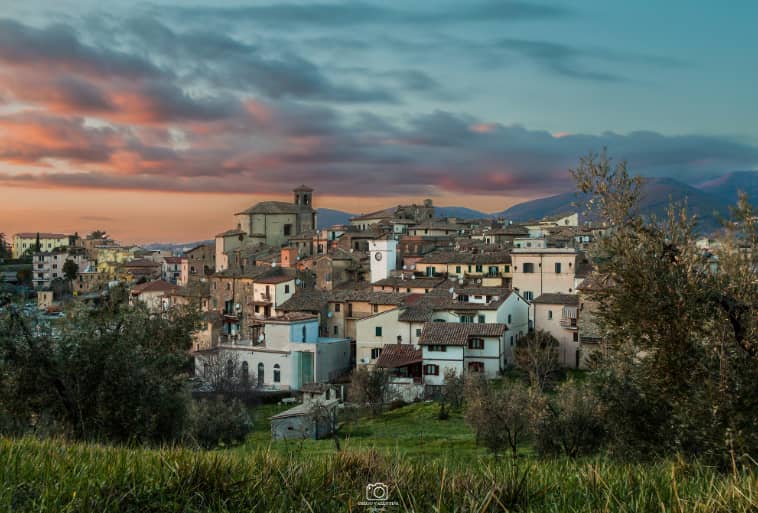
(60, 477)
(412, 431)
(428, 464)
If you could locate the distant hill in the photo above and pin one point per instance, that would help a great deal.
(655, 199)
(726, 187)
(459, 212)
(328, 217)
(175, 246)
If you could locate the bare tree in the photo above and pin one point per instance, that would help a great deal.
(225, 374)
(451, 394)
(325, 414)
(537, 355)
(369, 388)
(500, 416)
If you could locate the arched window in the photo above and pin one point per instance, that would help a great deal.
(245, 373)
(230, 368)
(260, 374)
(277, 373)
(549, 314)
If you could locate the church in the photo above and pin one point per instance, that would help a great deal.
(274, 222)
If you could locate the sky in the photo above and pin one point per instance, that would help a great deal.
(157, 121)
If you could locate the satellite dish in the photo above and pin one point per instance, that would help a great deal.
(413, 267)
(238, 307)
(460, 280)
(479, 280)
(273, 264)
(298, 281)
(330, 315)
(405, 268)
(413, 276)
(451, 290)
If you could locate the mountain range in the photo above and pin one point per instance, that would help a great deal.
(708, 200)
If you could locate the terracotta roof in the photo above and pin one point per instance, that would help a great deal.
(303, 188)
(173, 260)
(509, 230)
(153, 286)
(141, 262)
(387, 213)
(457, 333)
(366, 295)
(427, 283)
(42, 235)
(292, 316)
(459, 257)
(279, 275)
(228, 233)
(557, 299)
(305, 301)
(275, 207)
(398, 355)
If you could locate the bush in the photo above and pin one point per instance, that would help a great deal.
(215, 422)
(571, 423)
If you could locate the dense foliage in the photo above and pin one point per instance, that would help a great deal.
(113, 372)
(680, 326)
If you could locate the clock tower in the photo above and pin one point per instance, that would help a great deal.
(383, 258)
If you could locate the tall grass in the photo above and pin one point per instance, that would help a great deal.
(57, 476)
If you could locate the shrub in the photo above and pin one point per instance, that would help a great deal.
(215, 422)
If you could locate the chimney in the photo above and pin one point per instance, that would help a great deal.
(289, 257)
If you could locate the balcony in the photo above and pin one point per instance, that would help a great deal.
(568, 322)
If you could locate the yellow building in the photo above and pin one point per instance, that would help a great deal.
(23, 242)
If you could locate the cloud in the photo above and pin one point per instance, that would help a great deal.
(366, 155)
(341, 14)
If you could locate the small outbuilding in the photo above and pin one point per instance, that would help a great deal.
(314, 419)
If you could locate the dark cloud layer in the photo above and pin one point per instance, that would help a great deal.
(150, 105)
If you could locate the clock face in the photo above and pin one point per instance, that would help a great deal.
(378, 256)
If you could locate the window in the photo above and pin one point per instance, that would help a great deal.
(277, 373)
(418, 332)
(509, 318)
(478, 268)
(245, 373)
(337, 307)
(549, 314)
(507, 268)
(528, 267)
(304, 332)
(286, 289)
(430, 271)
(260, 374)
(457, 269)
(576, 337)
(476, 366)
(557, 268)
(378, 331)
(467, 318)
(528, 295)
(287, 229)
(481, 319)
(230, 368)
(438, 348)
(375, 308)
(335, 330)
(476, 343)
(431, 370)
(511, 340)
(375, 352)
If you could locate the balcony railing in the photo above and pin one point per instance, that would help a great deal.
(568, 322)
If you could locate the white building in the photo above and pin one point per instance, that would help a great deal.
(557, 314)
(383, 258)
(48, 266)
(463, 347)
(288, 354)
